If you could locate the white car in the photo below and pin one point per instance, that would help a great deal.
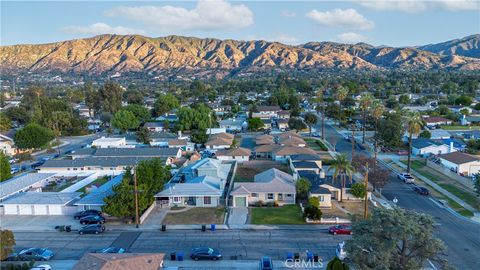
(340, 252)
(406, 177)
(42, 267)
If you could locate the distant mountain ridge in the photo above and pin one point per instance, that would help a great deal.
(108, 54)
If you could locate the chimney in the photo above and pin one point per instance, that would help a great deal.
(450, 150)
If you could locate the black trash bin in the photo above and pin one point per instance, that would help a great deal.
(296, 256)
(68, 228)
(315, 257)
(173, 256)
(204, 227)
(164, 227)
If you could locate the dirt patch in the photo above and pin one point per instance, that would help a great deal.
(247, 170)
(197, 215)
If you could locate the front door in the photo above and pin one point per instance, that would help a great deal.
(280, 196)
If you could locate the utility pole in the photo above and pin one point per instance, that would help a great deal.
(353, 141)
(137, 218)
(323, 120)
(365, 215)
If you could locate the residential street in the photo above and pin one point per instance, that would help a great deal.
(461, 236)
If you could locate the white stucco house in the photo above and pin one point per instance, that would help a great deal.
(104, 142)
(425, 147)
(238, 154)
(461, 163)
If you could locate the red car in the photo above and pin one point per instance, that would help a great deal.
(341, 229)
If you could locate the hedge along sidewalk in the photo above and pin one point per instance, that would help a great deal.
(438, 188)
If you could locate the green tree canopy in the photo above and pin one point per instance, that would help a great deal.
(165, 103)
(111, 97)
(337, 264)
(358, 190)
(310, 119)
(33, 136)
(5, 170)
(141, 112)
(302, 187)
(5, 123)
(125, 120)
(296, 124)
(143, 135)
(254, 124)
(7, 242)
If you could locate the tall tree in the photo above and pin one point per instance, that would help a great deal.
(413, 123)
(141, 112)
(302, 187)
(254, 124)
(5, 123)
(58, 121)
(296, 123)
(395, 239)
(365, 103)
(342, 167)
(125, 120)
(321, 107)
(7, 242)
(342, 94)
(377, 109)
(111, 96)
(310, 119)
(32, 136)
(92, 99)
(143, 135)
(165, 103)
(5, 170)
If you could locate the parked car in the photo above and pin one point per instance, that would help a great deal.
(340, 252)
(32, 254)
(421, 190)
(205, 253)
(42, 267)
(406, 177)
(341, 229)
(266, 263)
(92, 229)
(85, 213)
(14, 170)
(37, 164)
(93, 219)
(111, 250)
(316, 134)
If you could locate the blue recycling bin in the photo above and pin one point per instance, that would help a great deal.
(212, 227)
(179, 256)
(309, 256)
(289, 256)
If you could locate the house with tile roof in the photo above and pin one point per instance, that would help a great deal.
(239, 154)
(219, 141)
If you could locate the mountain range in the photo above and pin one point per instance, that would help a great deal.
(110, 54)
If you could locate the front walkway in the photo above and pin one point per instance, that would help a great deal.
(238, 216)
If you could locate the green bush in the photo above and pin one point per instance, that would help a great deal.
(312, 212)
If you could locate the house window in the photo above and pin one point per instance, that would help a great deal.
(254, 195)
(289, 195)
(176, 199)
(321, 198)
(270, 196)
(207, 200)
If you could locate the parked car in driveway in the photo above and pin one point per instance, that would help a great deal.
(406, 177)
(92, 220)
(85, 213)
(92, 229)
(116, 250)
(42, 267)
(421, 190)
(31, 254)
(341, 229)
(266, 263)
(205, 253)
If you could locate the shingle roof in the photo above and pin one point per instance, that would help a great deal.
(291, 140)
(234, 152)
(305, 157)
(423, 142)
(136, 152)
(19, 183)
(436, 119)
(305, 165)
(459, 157)
(269, 108)
(94, 162)
(189, 189)
(273, 173)
(61, 198)
(293, 150)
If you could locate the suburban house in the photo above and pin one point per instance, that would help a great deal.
(161, 139)
(280, 153)
(460, 108)
(467, 120)
(266, 112)
(199, 184)
(171, 118)
(94, 198)
(124, 261)
(283, 115)
(239, 154)
(155, 126)
(458, 144)
(306, 162)
(460, 163)
(109, 142)
(41, 203)
(264, 140)
(267, 123)
(435, 121)
(142, 152)
(183, 144)
(219, 141)
(291, 140)
(271, 186)
(439, 134)
(233, 124)
(282, 124)
(425, 147)
(323, 194)
(7, 145)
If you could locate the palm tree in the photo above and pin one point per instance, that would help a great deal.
(414, 123)
(343, 167)
(365, 102)
(342, 94)
(377, 110)
(321, 103)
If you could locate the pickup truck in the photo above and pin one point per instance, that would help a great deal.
(406, 177)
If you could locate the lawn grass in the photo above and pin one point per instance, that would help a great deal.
(197, 215)
(456, 127)
(100, 181)
(316, 145)
(287, 214)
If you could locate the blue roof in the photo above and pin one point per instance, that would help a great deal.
(97, 195)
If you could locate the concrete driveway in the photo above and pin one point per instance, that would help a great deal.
(238, 216)
(37, 223)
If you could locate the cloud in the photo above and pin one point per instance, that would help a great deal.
(348, 18)
(415, 6)
(289, 14)
(208, 15)
(351, 37)
(101, 28)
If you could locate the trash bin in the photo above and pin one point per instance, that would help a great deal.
(179, 256)
(296, 256)
(204, 227)
(315, 257)
(68, 228)
(309, 256)
(164, 227)
(173, 256)
(289, 256)
(212, 227)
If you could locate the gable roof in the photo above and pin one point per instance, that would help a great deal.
(272, 174)
(190, 189)
(459, 157)
(424, 142)
(234, 152)
(436, 119)
(305, 157)
(293, 150)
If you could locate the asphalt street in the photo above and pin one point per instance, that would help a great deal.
(461, 236)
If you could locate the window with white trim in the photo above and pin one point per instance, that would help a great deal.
(207, 200)
(321, 198)
(176, 199)
(270, 196)
(254, 195)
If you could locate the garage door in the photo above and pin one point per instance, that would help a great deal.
(26, 209)
(240, 201)
(41, 210)
(55, 210)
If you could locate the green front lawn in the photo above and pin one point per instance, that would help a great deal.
(456, 127)
(316, 144)
(100, 181)
(288, 214)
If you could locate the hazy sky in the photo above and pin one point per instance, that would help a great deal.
(381, 22)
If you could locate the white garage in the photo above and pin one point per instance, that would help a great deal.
(40, 203)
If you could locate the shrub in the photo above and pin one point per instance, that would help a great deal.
(259, 203)
(358, 190)
(312, 212)
(314, 201)
(270, 204)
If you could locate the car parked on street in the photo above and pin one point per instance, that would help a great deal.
(115, 250)
(340, 229)
(406, 177)
(92, 229)
(42, 267)
(85, 213)
(205, 253)
(93, 219)
(266, 263)
(421, 190)
(32, 254)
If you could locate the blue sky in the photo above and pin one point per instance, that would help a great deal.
(378, 22)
